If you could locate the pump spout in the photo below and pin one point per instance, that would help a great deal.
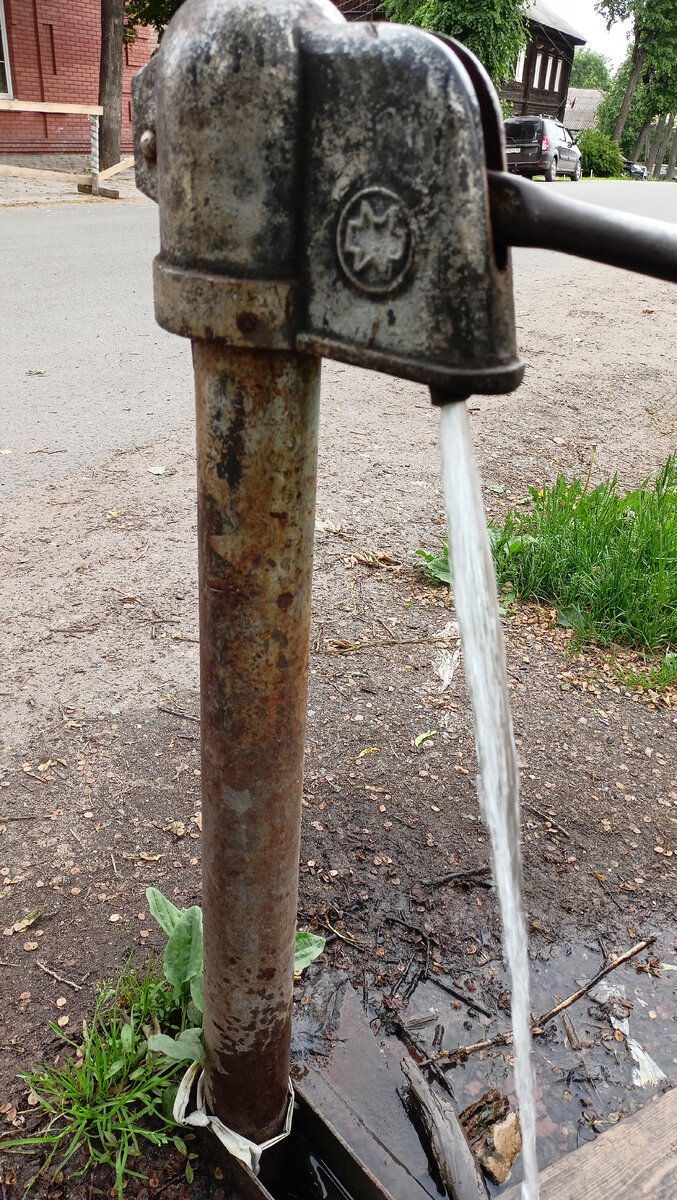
(526, 214)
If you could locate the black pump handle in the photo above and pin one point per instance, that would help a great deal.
(528, 214)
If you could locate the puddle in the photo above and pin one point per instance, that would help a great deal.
(584, 1069)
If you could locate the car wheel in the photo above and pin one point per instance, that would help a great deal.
(577, 173)
(551, 173)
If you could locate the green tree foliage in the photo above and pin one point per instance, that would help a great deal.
(607, 113)
(590, 70)
(653, 56)
(495, 32)
(599, 153)
(156, 13)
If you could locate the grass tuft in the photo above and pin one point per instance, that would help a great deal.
(607, 562)
(110, 1093)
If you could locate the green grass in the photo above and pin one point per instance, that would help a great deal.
(108, 1093)
(657, 676)
(115, 1089)
(606, 562)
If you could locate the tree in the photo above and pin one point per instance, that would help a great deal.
(590, 70)
(654, 50)
(110, 81)
(495, 32)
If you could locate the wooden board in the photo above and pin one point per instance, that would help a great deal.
(48, 106)
(121, 166)
(104, 192)
(635, 1160)
(34, 173)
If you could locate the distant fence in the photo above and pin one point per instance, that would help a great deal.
(94, 176)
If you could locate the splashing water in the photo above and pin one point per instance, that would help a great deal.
(476, 603)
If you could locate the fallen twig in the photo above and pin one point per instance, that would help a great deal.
(474, 874)
(353, 647)
(549, 820)
(591, 983)
(24, 817)
(345, 937)
(174, 712)
(34, 776)
(504, 1039)
(467, 1000)
(419, 933)
(61, 979)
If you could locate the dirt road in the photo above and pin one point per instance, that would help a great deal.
(100, 791)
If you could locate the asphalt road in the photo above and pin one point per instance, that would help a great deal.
(77, 304)
(85, 369)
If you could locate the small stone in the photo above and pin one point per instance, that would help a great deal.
(499, 1148)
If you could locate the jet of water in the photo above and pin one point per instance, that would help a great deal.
(476, 602)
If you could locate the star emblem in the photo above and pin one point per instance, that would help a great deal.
(376, 241)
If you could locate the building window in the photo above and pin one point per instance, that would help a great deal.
(558, 76)
(537, 70)
(519, 66)
(548, 74)
(5, 79)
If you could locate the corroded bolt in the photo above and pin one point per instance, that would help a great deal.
(147, 144)
(246, 322)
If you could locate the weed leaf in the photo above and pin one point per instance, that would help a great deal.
(197, 991)
(306, 948)
(166, 914)
(183, 952)
(187, 1047)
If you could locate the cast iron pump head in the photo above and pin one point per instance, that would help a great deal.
(340, 189)
(323, 186)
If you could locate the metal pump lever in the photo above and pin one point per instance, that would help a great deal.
(526, 214)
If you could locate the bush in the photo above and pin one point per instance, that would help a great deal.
(599, 154)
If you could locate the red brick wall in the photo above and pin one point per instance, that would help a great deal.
(54, 55)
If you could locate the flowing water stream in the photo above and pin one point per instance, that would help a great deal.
(475, 599)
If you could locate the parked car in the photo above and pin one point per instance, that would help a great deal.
(664, 170)
(634, 170)
(541, 146)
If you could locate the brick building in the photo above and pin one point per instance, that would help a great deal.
(49, 51)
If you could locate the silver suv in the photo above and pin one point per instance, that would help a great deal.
(541, 146)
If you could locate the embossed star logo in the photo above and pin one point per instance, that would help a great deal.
(374, 241)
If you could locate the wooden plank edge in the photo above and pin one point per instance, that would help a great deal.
(45, 106)
(639, 1153)
(34, 173)
(455, 1160)
(121, 166)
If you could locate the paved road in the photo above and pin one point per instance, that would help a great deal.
(77, 304)
(655, 200)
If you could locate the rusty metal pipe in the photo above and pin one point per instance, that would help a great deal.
(257, 419)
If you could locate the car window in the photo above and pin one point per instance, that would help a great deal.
(522, 131)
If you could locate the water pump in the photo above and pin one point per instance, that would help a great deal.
(325, 190)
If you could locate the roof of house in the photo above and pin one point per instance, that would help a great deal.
(582, 104)
(537, 10)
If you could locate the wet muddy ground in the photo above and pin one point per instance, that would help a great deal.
(100, 793)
